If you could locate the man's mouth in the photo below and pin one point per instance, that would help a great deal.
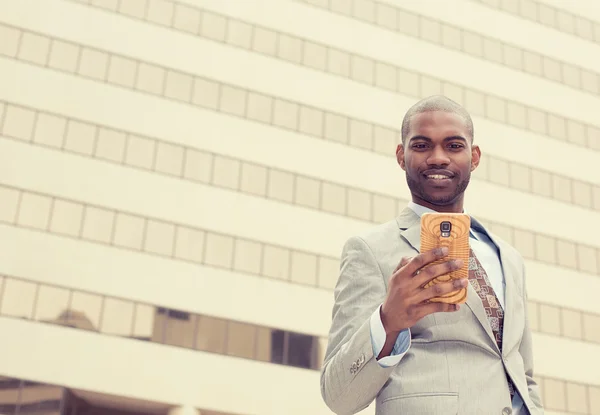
(437, 176)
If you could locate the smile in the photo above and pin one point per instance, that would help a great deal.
(437, 177)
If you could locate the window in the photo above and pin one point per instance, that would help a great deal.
(211, 334)
(52, 303)
(179, 327)
(143, 325)
(84, 311)
(18, 298)
(241, 339)
(278, 346)
(300, 350)
(24, 397)
(40, 399)
(294, 349)
(117, 317)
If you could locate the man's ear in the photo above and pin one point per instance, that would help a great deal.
(475, 157)
(400, 156)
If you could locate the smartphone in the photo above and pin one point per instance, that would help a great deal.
(450, 230)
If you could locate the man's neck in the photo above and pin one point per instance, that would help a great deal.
(455, 207)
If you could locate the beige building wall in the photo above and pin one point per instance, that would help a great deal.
(177, 179)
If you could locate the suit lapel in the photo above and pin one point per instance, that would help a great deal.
(410, 229)
(476, 306)
(413, 236)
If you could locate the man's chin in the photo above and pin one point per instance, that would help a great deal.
(441, 199)
(437, 196)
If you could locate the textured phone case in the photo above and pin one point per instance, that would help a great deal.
(458, 246)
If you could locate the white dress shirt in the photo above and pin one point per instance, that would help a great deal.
(489, 257)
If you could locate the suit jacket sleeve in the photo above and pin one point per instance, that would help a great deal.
(526, 350)
(351, 377)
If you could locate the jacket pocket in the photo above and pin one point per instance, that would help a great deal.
(445, 403)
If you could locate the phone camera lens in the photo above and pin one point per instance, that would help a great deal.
(446, 227)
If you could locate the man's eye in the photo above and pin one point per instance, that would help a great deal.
(456, 145)
(419, 146)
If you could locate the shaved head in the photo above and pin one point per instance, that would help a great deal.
(436, 103)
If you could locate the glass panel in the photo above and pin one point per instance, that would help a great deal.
(263, 344)
(117, 317)
(9, 395)
(160, 319)
(594, 397)
(18, 298)
(277, 346)
(210, 335)
(180, 328)
(241, 338)
(143, 325)
(85, 311)
(52, 304)
(300, 348)
(40, 399)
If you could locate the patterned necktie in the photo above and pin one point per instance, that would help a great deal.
(493, 310)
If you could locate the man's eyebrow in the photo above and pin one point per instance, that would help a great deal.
(425, 138)
(420, 137)
(455, 137)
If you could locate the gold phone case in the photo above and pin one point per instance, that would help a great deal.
(435, 235)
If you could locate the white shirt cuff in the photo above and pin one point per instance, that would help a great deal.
(378, 341)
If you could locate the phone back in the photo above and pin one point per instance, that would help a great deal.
(450, 230)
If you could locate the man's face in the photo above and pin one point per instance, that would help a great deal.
(438, 158)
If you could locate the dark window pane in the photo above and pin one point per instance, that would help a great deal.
(241, 339)
(277, 346)
(179, 315)
(9, 383)
(300, 350)
(211, 334)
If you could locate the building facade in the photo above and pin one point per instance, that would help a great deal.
(177, 180)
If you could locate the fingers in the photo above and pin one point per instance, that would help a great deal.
(425, 258)
(405, 260)
(437, 290)
(435, 271)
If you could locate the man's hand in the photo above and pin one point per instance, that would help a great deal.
(407, 301)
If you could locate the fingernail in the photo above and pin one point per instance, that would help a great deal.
(464, 282)
(458, 262)
(444, 250)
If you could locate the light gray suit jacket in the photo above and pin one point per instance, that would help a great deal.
(453, 365)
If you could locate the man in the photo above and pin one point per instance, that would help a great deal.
(387, 341)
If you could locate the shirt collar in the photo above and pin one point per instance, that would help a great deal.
(419, 210)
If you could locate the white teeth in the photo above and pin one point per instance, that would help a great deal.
(437, 176)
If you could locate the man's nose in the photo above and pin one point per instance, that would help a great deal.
(438, 157)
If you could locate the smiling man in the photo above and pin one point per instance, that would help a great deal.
(438, 175)
(387, 342)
